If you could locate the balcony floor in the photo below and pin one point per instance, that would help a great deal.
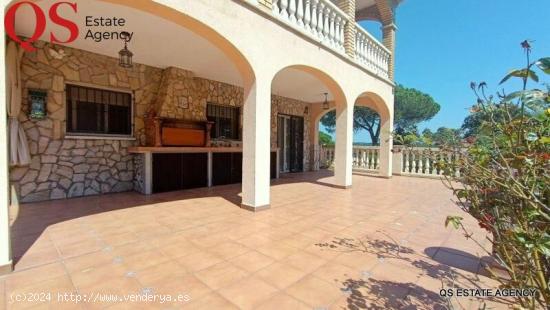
(380, 245)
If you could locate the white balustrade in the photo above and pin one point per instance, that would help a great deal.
(320, 19)
(323, 21)
(371, 53)
(422, 161)
(418, 161)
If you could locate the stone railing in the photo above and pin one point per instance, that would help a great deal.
(421, 161)
(366, 158)
(323, 21)
(371, 53)
(320, 19)
(418, 161)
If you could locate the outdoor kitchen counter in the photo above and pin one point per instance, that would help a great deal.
(161, 169)
(187, 149)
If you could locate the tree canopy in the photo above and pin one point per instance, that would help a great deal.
(325, 139)
(479, 122)
(411, 107)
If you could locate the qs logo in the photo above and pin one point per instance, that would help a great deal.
(40, 25)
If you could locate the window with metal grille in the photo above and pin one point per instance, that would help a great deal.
(98, 111)
(226, 121)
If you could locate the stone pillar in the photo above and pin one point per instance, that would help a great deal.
(386, 145)
(388, 32)
(5, 247)
(256, 144)
(348, 6)
(397, 161)
(344, 146)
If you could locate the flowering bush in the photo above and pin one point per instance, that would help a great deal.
(503, 181)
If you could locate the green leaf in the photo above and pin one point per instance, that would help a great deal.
(455, 220)
(544, 64)
(533, 75)
(513, 96)
(523, 73)
(535, 99)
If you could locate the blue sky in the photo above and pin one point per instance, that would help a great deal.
(443, 45)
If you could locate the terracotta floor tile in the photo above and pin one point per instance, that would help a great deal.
(78, 263)
(156, 274)
(283, 301)
(252, 261)
(248, 293)
(221, 275)
(186, 241)
(254, 241)
(187, 285)
(23, 279)
(198, 260)
(139, 261)
(228, 250)
(99, 274)
(210, 302)
(113, 287)
(277, 250)
(281, 275)
(79, 248)
(336, 273)
(37, 257)
(304, 261)
(314, 292)
(48, 291)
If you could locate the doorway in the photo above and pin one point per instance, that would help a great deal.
(290, 139)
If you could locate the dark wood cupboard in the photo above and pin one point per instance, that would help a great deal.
(227, 168)
(177, 171)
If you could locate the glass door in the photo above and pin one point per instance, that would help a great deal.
(283, 142)
(290, 140)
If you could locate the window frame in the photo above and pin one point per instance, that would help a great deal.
(238, 120)
(83, 135)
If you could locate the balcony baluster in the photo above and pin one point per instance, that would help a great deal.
(307, 15)
(292, 11)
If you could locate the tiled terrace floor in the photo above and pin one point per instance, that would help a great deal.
(380, 245)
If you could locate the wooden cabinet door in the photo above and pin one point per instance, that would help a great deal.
(172, 172)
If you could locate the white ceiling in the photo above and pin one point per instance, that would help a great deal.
(294, 83)
(161, 43)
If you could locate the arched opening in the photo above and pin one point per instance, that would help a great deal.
(376, 157)
(370, 127)
(298, 101)
(181, 66)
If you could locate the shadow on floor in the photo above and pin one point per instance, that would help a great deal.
(370, 293)
(32, 219)
(379, 294)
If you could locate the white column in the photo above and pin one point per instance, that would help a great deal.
(386, 144)
(209, 169)
(148, 169)
(344, 146)
(5, 247)
(256, 144)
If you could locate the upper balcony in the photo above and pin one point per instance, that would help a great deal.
(334, 24)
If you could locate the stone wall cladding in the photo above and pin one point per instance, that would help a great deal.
(66, 167)
(194, 92)
(139, 173)
(63, 168)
